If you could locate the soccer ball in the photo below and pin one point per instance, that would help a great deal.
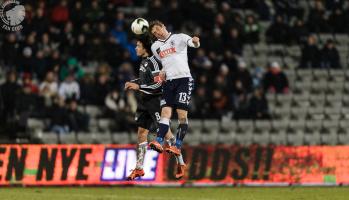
(139, 26)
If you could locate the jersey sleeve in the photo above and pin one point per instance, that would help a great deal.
(188, 40)
(152, 70)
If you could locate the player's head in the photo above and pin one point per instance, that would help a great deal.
(158, 29)
(143, 46)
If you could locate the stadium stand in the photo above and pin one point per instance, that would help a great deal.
(96, 50)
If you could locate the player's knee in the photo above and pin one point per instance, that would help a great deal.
(142, 134)
(183, 120)
(182, 115)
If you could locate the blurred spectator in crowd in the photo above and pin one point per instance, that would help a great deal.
(241, 107)
(26, 106)
(78, 121)
(77, 14)
(317, 21)
(201, 103)
(310, 54)
(220, 103)
(94, 12)
(72, 67)
(337, 21)
(119, 109)
(299, 32)
(215, 43)
(234, 42)
(28, 82)
(48, 89)
(333, 4)
(262, 9)
(242, 86)
(60, 13)
(258, 105)
(40, 22)
(257, 77)
(288, 8)
(10, 50)
(9, 91)
(330, 56)
(69, 88)
(88, 90)
(278, 31)
(80, 49)
(242, 80)
(252, 30)
(102, 88)
(275, 81)
(201, 62)
(59, 122)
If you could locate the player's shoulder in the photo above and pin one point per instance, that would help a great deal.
(181, 35)
(155, 43)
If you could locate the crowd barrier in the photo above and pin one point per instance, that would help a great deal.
(38, 165)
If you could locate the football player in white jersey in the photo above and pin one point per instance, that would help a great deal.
(171, 50)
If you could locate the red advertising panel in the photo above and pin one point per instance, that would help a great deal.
(110, 164)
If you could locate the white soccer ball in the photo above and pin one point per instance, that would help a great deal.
(139, 26)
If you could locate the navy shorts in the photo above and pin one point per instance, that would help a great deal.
(176, 93)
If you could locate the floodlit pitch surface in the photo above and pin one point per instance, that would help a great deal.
(238, 193)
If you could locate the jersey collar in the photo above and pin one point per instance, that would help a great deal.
(166, 38)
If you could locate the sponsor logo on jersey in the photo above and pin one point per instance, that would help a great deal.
(167, 52)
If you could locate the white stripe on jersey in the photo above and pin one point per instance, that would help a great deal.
(157, 85)
(155, 64)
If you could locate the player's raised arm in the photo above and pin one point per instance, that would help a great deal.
(195, 41)
(191, 41)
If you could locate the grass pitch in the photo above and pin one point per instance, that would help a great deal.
(118, 193)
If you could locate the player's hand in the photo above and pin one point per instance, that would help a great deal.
(131, 86)
(162, 76)
(196, 41)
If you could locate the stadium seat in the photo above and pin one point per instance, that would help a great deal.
(244, 132)
(86, 138)
(121, 138)
(68, 138)
(104, 124)
(49, 138)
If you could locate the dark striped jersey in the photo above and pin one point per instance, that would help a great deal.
(149, 80)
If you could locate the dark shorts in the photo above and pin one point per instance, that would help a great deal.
(176, 93)
(148, 114)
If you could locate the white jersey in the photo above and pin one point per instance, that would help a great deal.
(173, 55)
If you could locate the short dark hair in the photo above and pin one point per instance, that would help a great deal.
(146, 41)
(154, 23)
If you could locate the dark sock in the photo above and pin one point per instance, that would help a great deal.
(163, 129)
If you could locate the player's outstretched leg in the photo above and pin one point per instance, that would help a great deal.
(163, 129)
(181, 166)
(141, 150)
(181, 132)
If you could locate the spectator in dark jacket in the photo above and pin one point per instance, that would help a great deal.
(59, 117)
(299, 32)
(9, 91)
(330, 56)
(278, 32)
(78, 121)
(252, 30)
(258, 106)
(310, 54)
(275, 80)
